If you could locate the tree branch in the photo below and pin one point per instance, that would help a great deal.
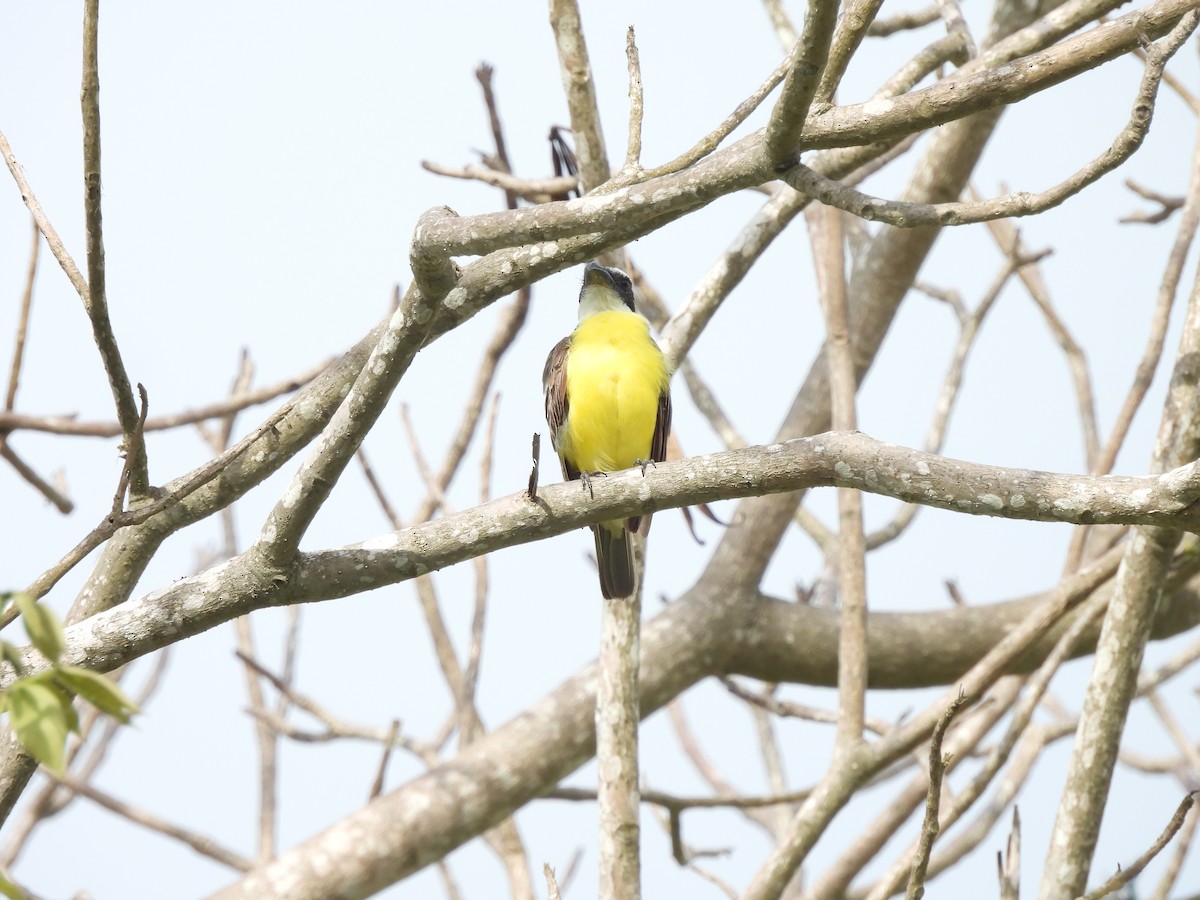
(96, 300)
(915, 215)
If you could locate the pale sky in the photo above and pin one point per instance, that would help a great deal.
(262, 180)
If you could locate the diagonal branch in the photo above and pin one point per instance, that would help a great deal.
(915, 215)
(345, 432)
(808, 58)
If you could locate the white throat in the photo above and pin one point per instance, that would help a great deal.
(597, 298)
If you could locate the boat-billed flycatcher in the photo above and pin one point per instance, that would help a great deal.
(608, 405)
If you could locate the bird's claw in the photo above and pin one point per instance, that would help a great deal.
(586, 479)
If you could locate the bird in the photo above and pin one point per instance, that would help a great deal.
(608, 406)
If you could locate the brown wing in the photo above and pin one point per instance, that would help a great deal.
(554, 384)
(662, 427)
(658, 452)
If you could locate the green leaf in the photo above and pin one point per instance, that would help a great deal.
(98, 690)
(10, 654)
(43, 626)
(65, 697)
(38, 716)
(10, 890)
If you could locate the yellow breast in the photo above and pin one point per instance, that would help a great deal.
(615, 374)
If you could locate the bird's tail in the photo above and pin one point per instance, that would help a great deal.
(614, 558)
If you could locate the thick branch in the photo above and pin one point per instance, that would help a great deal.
(800, 86)
(193, 605)
(580, 90)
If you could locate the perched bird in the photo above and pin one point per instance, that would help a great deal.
(608, 405)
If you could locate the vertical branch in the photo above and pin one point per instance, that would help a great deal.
(1139, 586)
(808, 59)
(617, 714)
(500, 160)
(633, 151)
(852, 28)
(581, 93)
(95, 299)
(1164, 301)
(826, 226)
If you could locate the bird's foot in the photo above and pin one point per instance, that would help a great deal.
(586, 479)
(644, 463)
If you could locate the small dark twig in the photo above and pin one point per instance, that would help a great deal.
(955, 593)
(533, 473)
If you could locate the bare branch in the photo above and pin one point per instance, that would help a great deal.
(781, 142)
(852, 26)
(1008, 862)
(203, 845)
(617, 717)
(1167, 206)
(913, 215)
(633, 152)
(534, 190)
(580, 90)
(1139, 585)
(828, 246)
(931, 826)
(343, 436)
(14, 374)
(96, 299)
(905, 21)
(66, 425)
(1126, 875)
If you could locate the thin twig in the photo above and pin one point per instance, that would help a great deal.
(905, 21)
(1126, 875)
(96, 300)
(203, 845)
(381, 772)
(499, 161)
(713, 139)
(67, 425)
(60, 500)
(14, 374)
(931, 827)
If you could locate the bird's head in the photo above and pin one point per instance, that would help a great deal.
(604, 290)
